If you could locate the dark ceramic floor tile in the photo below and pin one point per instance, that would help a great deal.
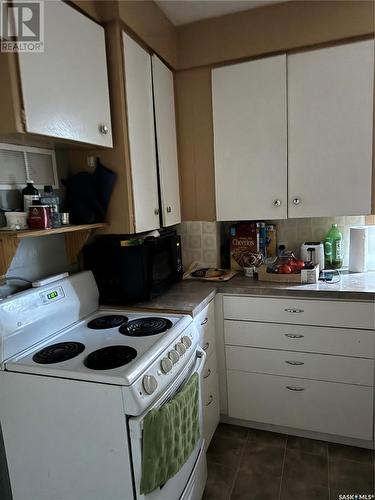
(294, 489)
(226, 451)
(219, 481)
(338, 452)
(268, 438)
(351, 477)
(307, 468)
(261, 461)
(231, 431)
(304, 445)
(248, 487)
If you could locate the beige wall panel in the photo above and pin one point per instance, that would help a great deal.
(195, 141)
(10, 95)
(273, 28)
(143, 17)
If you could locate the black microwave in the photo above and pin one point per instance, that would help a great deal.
(129, 271)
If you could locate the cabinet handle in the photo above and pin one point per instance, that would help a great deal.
(169, 210)
(293, 335)
(295, 363)
(277, 203)
(291, 310)
(294, 388)
(296, 201)
(204, 321)
(208, 373)
(206, 346)
(210, 400)
(103, 129)
(156, 211)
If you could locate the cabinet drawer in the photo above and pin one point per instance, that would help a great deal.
(303, 365)
(210, 367)
(205, 323)
(211, 404)
(340, 341)
(327, 407)
(300, 311)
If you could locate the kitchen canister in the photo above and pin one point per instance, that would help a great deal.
(39, 217)
(358, 249)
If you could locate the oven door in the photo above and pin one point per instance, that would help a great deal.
(189, 482)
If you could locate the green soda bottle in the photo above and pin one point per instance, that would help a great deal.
(333, 248)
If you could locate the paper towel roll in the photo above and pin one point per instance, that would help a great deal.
(358, 249)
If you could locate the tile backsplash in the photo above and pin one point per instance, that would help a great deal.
(201, 241)
(293, 232)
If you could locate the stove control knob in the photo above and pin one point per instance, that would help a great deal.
(174, 356)
(149, 384)
(166, 365)
(180, 348)
(186, 341)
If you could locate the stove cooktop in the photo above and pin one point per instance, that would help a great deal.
(93, 349)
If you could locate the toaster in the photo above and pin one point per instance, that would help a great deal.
(313, 251)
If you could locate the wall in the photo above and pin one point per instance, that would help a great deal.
(274, 28)
(37, 257)
(200, 242)
(144, 18)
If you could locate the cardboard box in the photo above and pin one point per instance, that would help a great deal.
(306, 276)
(243, 246)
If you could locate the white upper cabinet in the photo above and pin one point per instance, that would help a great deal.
(250, 139)
(65, 88)
(141, 131)
(165, 120)
(330, 130)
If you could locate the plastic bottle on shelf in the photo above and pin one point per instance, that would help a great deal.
(30, 195)
(51, 199)
(333, 248)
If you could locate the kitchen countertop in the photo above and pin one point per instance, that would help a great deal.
(190, 296)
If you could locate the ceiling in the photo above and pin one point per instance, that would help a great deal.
(187, 11)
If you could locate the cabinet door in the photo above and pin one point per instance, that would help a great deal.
(141, 130)
(65, 88)
(330, 116)
(250, 139)
(165, 120)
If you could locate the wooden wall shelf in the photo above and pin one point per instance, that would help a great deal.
(75, 237)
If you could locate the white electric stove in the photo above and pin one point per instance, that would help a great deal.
(76, 382)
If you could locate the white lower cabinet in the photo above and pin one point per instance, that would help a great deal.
(315, 376)
(326, 407)
(205, 323)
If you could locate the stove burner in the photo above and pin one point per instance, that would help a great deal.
(110, 357)
(56, 353)
(109, 321)
(145, 326)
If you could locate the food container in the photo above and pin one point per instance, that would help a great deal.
(16, 220)
(64, 218)
(39, 217)
(305, 276)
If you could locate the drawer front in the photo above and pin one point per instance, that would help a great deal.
(205, 323)
(303, 365)
(339, 409)
(211, 400)
(210, 367)
(302, 312)
(339, 341)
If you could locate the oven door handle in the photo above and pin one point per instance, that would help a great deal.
(199, 363)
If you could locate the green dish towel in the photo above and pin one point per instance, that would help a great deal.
(170, 434)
